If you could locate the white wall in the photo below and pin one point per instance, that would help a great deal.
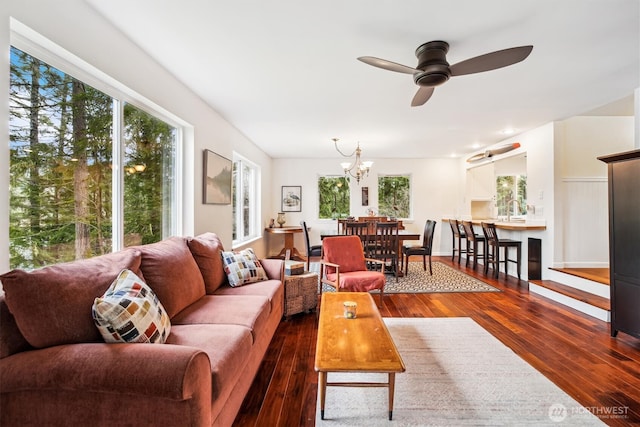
(437, 188)
(586, 138)
(582, 205)
(76, 27)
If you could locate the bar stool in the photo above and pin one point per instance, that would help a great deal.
(493, 253)
(473, 241)
(457, 234)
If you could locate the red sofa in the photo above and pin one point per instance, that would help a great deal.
(56, 370)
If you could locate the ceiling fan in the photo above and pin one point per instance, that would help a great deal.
(434, 70)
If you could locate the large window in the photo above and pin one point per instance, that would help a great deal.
(246, 200)
(89, 172)
(334, 200)
(394, 196)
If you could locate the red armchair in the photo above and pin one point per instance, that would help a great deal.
(344, 266)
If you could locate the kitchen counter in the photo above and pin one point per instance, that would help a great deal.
(529, 225)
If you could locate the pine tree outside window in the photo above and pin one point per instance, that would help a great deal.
(394, 196)
(86, 169)
(334, 199)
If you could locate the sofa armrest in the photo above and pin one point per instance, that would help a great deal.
(158, 370)
(274, 268)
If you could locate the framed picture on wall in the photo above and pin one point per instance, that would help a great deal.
(217, 179)
(365, 196)
(291, 198)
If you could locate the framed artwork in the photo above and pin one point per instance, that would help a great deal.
(217, 179)
(365, 196)
(291, 198)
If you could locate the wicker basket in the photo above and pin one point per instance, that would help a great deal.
(300, 293)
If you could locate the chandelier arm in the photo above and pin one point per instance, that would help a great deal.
(335, 143)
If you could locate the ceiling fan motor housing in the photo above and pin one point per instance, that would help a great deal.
(432, 61)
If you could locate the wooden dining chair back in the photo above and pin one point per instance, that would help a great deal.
(457, 236)
(494, 243)
(474, 243)
(371, 221)
(386, 246)
(424, 250)
(344, 266)
(312, 251)
(360, 229)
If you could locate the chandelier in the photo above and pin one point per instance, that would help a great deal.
(358, 169)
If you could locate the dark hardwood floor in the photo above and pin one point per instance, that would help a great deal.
(573, 350)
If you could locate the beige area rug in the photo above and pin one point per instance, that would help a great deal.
(457, 375)
(444, 279)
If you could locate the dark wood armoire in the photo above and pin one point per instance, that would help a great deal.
(624, 241)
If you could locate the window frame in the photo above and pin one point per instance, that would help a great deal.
(34, 44)
(255, 205)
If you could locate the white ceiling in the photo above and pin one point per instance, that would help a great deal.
(285, 72)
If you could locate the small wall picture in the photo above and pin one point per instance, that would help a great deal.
(365, 196)
(291, 198)
(217, 179)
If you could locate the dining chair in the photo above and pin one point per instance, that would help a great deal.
(360, 229)
(474, 241)
(457, 235)
(494, 243)
(385, 245)
(312, 251)
(424, 250)
(344, 266)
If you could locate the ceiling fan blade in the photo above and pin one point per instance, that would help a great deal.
(504, 148)
(491, 61)
(490, 153)
(422, 95)
(387, 65)
(477, 157)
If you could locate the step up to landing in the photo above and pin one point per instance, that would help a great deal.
(586, 302)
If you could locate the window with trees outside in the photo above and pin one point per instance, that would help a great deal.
(334, 199)
(394, 196)
(511, 189)
(89, 172)
(245, 200)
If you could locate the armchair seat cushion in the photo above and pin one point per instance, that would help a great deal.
(359, 281)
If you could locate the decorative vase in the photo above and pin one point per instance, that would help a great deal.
(281, 220)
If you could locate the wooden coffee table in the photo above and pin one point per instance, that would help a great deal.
(362, 344)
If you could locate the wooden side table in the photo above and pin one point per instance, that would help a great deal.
(288, 233)
(300, 293)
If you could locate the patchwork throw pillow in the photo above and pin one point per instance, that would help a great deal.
(130, 311)
(243, 267)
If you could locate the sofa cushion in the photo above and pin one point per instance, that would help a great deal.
(170, 270)
(243, 267)
(271, 289)
(52, 305)
(207, 251)
(250, 311)
(228, 348)
(130, 312)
